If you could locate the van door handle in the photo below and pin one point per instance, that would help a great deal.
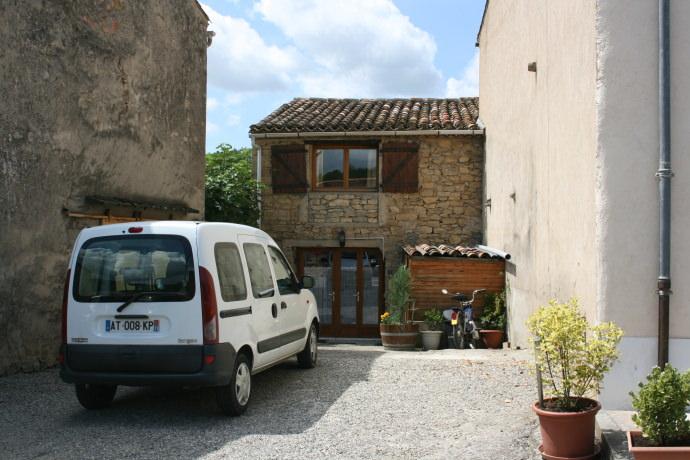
(283, 305)
(274, 310)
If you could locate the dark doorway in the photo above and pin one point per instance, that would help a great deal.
(348, 286)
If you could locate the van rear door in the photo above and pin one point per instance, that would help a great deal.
(135, 289)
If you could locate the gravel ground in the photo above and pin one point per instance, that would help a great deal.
(359, 402)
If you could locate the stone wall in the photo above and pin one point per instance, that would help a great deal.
(447, 208)
(100, 97)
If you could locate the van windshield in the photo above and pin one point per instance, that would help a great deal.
(115, 268)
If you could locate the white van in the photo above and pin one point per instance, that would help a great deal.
(188, 303)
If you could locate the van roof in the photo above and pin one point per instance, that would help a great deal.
(171, 226)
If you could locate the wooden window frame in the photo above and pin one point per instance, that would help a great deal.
(346, 168)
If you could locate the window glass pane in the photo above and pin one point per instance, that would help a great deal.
(319, 265)
(230, 274)
(370, 274)
(259, 270)
(113, 268)
(287, 283)
(329, 167)
(348, 287)
(362, 168)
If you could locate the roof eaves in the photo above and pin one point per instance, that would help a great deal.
(481, 25)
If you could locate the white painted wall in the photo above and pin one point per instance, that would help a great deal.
(577, 143)
(541, 146)
(627, 112)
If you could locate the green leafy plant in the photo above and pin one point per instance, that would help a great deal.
(398, 296)
(232, 193)
(660, 407)
(434, 319)
(572, 355)
(494, 313)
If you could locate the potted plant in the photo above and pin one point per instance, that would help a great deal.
(660, 407)
(493, 319)
(431, 338)
(396, 332)
(572, 358)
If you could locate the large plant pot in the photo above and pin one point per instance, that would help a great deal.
(398, 336)
(493, 338)
(567, 435)
(431, 339)
(655, 453)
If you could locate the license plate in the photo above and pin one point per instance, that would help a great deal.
(142, 326)
(453, 322)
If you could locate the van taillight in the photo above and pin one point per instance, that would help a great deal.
(209, 307)
(65, 297)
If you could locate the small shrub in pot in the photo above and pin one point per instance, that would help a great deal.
(660, 408)
(431, 338)
(573, 358)
(396, 332)
(493, 319)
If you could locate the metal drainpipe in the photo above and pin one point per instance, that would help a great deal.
(664, 174)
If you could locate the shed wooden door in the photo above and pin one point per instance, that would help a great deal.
(348, 288)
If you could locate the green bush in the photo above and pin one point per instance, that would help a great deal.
(434, 319)
(572, 362)
(398, 295)
(660, 407)
(494, 313)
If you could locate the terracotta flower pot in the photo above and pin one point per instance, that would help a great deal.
(398, 336)
(655, 453)
(568, 435)
(493, 338)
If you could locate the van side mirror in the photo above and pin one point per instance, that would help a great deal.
(307, 282)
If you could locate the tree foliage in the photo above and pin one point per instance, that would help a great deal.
(232, 193)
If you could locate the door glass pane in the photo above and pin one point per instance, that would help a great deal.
(259, 270)
(370, 275)
(329, 168)
(230, 273)
(319, 265)
(362, 168)
(348, 287)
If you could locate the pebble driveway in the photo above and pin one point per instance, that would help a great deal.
(359, 402)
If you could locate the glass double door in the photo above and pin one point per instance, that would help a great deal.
(348, 286)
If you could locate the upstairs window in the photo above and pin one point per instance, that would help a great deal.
(352, 168)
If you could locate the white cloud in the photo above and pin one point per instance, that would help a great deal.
(468, 84)
(357, 48)
(211, 103)
(233, 120)
(211, 128)
(239, 60)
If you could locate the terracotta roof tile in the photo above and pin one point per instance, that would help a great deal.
(444, 250)
(361, 115)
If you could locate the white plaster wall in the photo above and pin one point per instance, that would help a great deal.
(627, 99)
(541, 147)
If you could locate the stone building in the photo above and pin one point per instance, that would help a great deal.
(347, 182)
(102, 120)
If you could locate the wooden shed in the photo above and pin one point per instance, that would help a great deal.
(456, 268)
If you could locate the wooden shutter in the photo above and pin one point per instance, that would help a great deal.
(288, 168)
(400, 167)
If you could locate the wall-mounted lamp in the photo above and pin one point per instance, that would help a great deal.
(532, 66)
(341, 238)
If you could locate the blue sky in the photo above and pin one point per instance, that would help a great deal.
(267, 52)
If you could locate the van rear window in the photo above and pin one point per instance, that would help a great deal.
(116, 267)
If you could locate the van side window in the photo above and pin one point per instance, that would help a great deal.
(287, 283)
(259, 270)
(230, 273)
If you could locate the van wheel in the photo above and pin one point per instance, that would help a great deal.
(307, 357)
(233, 398)
(95, 396)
